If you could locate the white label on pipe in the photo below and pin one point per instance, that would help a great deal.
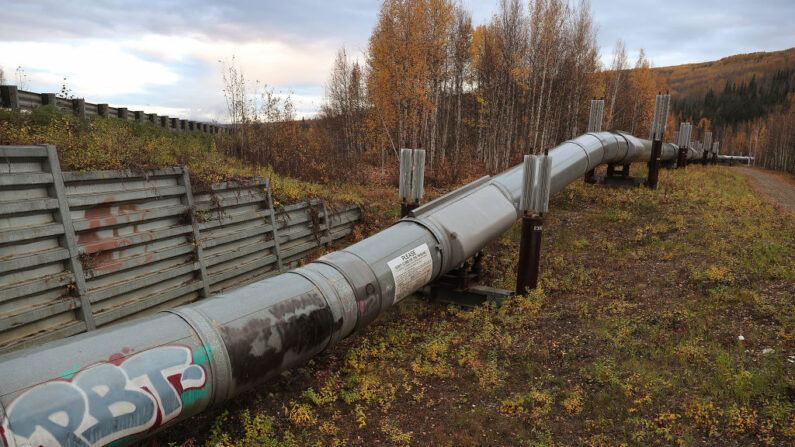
(411, 270)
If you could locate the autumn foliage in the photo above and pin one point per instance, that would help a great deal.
(475, 97)
(746, 100)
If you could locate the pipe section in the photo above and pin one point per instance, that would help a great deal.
(121, 383)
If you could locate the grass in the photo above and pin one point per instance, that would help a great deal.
(632, 339)
(110, 144)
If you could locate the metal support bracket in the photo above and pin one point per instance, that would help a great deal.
(456, 287)
(327, 221)
(274, 227)
(70, 239)
(205, 290)
(616, 178)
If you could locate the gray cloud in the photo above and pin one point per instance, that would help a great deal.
(685, 31)
(297, 20)
(671, 32)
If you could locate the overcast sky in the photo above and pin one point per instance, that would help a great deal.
(163, 56)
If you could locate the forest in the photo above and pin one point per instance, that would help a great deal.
(745, 99)
(753, 117)
(476, 97)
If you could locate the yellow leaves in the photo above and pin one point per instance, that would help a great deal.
(704, 415)
(361, 417)
(719, 273)
(512, 406)
(300, 414)
(742, 420)
(574, 402)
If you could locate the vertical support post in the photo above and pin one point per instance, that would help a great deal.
(417, 177)
(707, 147)
(102, 110)
(274, 227)
(139, 116)
(164, 121)
(153, 118)
(64, 216)
(655, 117)
(664, 117)
(9, 94)
(600, 117)
(592, 118)
(594, 125)
(529, 253)
(327, 221)
(657, 133)
(205, 290)
(654, 164)
(534, 203)
(49, 99)
(79, 107)
(123, 113)
(404, 181)
(684, 141)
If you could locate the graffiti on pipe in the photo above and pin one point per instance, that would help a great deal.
(106, 402)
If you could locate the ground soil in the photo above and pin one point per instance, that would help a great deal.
(773, 188)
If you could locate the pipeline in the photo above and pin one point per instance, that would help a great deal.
(124, 382)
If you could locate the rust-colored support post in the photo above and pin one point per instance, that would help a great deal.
(590, 177)
(654, 164)
(681, 160)
(529, 253)
(407, 207)
(534, 202)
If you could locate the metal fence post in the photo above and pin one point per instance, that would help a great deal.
(79, 107)
(70, 239)
(274, 226)
(327, 218)
(10, 96)
(49, 99)
(205, 290)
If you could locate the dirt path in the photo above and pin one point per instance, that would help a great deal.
(774, 188)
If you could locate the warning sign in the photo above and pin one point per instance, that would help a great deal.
(411, 270)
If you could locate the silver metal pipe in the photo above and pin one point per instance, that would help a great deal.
(122, 383)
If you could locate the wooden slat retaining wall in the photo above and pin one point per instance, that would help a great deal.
(83, 250)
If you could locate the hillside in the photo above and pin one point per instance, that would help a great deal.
(692, 81)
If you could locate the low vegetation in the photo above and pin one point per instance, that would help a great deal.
(663, 318)
(109, 144)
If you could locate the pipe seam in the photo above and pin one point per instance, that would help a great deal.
(349, 264)
(214, 347)
(587, 155)
(441, 239)
(335, 305)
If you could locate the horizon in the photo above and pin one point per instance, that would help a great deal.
(174, 67)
